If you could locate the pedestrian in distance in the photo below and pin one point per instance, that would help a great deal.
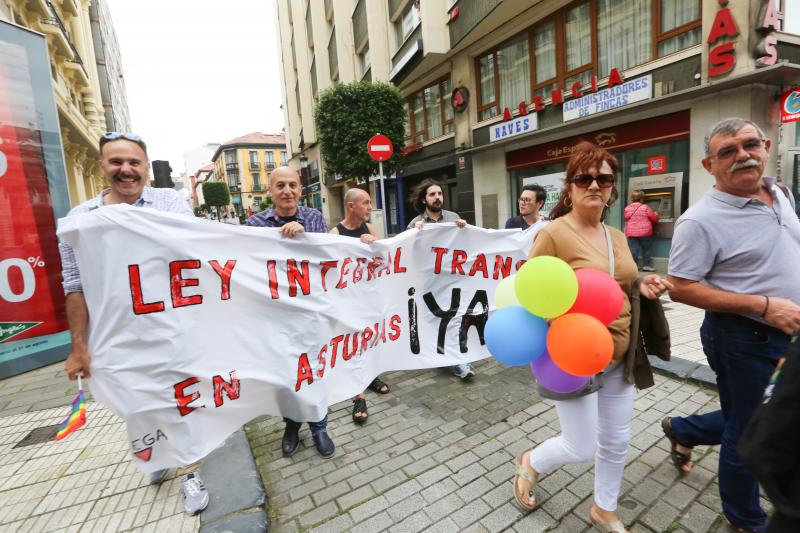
(735, 254)
(531, 200)
(284, 187)
(358, 206)
(595, 420)
(126, 169)
(428, 199)
(639, 220)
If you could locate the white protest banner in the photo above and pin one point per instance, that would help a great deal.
(197, 327)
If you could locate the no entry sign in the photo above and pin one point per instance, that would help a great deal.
(380, 148)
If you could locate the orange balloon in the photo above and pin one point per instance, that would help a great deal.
(579, 344)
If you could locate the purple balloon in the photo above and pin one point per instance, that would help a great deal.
(551, 377)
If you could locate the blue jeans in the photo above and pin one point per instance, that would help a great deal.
(743, 354)
(642, 246)
(315, 427)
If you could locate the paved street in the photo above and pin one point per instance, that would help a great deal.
(436, 454)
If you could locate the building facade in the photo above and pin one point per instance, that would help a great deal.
(244, 164)
(499, 92)
(109, 68)
(74, 61)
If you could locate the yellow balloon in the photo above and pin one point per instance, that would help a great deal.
(504, 293)
(546, 286)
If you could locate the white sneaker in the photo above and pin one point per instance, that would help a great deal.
(195, 495)
(648, 269)
(463, 371)
(158, 476)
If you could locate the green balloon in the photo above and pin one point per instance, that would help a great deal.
(546, 286)
(505, 294)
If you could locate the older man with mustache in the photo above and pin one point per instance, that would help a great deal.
(735, 254)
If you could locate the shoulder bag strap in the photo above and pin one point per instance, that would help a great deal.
(610, 251)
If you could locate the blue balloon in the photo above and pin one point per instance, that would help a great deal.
(514, 336)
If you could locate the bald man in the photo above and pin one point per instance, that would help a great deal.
(293, 219)
(358, 206)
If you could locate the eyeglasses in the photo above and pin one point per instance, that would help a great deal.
(526, 200)
(752, 146)
(584, 181)
(111, 135)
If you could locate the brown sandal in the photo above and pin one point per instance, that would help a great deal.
(379, 386)
(679, 459)
(360, 406)
(533, 479)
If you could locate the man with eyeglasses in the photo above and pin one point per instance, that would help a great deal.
(735, 254)
(531, 200)
(126, 169)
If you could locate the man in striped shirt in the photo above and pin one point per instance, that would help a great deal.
(125, 166)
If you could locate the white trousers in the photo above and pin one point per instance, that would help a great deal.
(597, 426)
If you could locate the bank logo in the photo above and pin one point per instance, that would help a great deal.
(604, 139)
(12, 329)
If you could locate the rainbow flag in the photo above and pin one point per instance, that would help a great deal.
(75, 419)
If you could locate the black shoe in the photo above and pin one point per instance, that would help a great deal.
(291, 439)
(324, 444)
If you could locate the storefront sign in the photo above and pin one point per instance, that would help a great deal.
(790, 106)
(766, 51)
(628, 92)
(657, 164)
(518, 126)
(33, 326)
(460, 99)
(722, 57)
(667, 128)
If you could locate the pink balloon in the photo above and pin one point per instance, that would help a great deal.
(599, 295)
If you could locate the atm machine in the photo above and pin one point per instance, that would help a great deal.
(662, 192)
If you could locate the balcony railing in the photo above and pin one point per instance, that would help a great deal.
(55, 20)
(232, 166)
(257, 186)
(269, 165)
(254, 165)
(360, 35)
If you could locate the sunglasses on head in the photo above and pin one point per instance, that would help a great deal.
(584, 181)
(111, 135)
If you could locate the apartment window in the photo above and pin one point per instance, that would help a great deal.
(313, 76)
(253, 157)
(256, 178)
(624, 33)
(363, 61)
(283, 157)
(508, 70)
(679, 25)
(407, 23)
(230, 158)
(269, 159)
(430, 114)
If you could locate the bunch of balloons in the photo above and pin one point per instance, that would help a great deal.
(576, 344)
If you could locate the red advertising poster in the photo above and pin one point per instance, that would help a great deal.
(790, 106)
(32, 308)
(657, 164)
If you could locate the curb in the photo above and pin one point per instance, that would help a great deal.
(680, 368)
(237, 501)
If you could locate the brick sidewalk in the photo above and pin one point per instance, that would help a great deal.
(437, 455)
(84, 483)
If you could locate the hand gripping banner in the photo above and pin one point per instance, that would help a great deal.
(197, 327)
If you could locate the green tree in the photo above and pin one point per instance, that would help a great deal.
(265, 203)
(347, 115)
(216, 194)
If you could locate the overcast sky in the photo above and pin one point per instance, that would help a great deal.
(198, 71)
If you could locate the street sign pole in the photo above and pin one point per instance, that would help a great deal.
(383, 202)
(380, 149)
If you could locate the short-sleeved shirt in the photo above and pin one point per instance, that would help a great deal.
(447, 216)
(159, 199)
(740, 245)
(308, 217)
(561, 240)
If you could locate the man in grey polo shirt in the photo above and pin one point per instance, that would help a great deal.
(735, 253)
(428, 198)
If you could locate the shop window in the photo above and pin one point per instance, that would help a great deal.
(624, 33)
(589, 37)
(430, 113)
(510, 74)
